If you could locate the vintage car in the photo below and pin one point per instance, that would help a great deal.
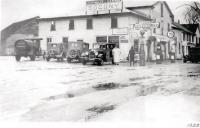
(99, 55)
(193, 55)
(27, 48)
(55, 51)
(75, 49)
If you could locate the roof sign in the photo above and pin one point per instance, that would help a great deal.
(96, 6)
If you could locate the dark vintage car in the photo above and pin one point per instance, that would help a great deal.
(27, 48)
(55, 51)
(75, 49)
(193, 55)
(99, 55)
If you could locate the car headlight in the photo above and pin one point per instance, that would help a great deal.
(96, 53)
(100, 55)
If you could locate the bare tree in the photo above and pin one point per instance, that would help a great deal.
(192, 12)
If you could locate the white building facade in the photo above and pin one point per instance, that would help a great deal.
(119, 28)
(101, 30)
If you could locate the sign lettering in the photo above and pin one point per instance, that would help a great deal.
(103, 5)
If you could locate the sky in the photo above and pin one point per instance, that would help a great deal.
(17, 10)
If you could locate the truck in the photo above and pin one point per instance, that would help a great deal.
(193, 55)
(71, 50)
(55, 51)
(75, 49)
(27, 48)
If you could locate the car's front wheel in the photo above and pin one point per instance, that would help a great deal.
(84, 62)
(32, 57)
(47, 59)
(69, 60)
(17, 58)
(100, 62)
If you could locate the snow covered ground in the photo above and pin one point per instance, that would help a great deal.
(55, 91)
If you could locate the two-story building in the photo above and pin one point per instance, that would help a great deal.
(191, 39)
(180, 34)
(101, 28)
(159, 12)
(123, 28)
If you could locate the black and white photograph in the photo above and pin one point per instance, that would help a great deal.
(100, 63)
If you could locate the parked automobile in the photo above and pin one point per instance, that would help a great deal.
(27, 48)
(193, 55)
(99, 55)
(75, 49)
(55, 51)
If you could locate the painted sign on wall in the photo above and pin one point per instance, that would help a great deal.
(120, 31)
(145, 26)
(93, 7)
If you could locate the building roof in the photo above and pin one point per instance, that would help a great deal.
(15, 28)
(191, 27)
(124, 12)
(181, 27)
(145, 4)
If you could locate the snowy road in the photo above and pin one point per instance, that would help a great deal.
(53, 91)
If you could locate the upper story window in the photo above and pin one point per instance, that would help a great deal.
(114, 23)
(161, 9)
(71, 25)
(89, 24)
(53, 26)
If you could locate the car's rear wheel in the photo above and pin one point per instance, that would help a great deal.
(69, 60)
(47, 59)
(100, 62)
(32, 57)
(84, 62)
(17, 58)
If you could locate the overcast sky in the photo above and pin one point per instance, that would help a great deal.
(16, 10)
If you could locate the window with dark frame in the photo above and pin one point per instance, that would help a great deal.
(89, 24)
(179, 48)
(113, 39)
(161, 9)
(114, 23)
(196, 39)
(71, 24)
(199, 40)
(101, 39)
(53, 26)
(192, 38)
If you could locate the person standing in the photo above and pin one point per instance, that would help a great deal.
(116, 55)
(131, 56)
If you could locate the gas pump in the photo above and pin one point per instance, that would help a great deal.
(172, 52)
(142, 52)
(158, 54)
